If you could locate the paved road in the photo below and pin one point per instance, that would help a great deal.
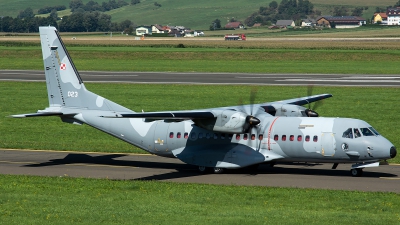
(148, 167)
(217, 78)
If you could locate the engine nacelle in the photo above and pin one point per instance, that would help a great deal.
(290, 110)
(228, 121)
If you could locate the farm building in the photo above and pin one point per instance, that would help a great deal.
(341, 21)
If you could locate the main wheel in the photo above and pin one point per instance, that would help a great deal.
(356, 172)
(204, 169)
(218, 170)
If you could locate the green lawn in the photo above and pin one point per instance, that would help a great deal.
(64, 200)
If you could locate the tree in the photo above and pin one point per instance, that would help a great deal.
(27, 13)
(125, 25)
(54, 14)
(75, 4)
(397, 4)
(340, 11)
(216, 24)
(357, 11)
(273, 5)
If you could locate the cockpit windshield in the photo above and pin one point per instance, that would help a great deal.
(373, 130)
(355, 132)
(367, 132)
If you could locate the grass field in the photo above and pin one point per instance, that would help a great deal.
(374, 105)
(64, 200)
(254, 57)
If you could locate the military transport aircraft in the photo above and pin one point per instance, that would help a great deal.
(218, 138)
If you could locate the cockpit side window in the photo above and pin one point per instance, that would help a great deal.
(366, 132)
(348, 133)
(356, 133)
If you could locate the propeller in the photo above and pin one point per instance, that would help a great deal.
(311, 111)
(251, 119)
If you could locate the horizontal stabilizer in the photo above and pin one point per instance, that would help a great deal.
(38, 114)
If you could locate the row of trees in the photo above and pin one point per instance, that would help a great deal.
(93, 21)
(76, 22)
(286, 9)
(49, 9)
(26, 25)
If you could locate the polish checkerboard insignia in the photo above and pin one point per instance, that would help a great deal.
(63, 66)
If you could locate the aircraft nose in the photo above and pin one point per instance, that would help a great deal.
(393, 152)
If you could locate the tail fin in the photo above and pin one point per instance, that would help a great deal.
(64, 85)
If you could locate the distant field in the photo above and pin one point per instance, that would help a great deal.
(250, 57)
(193, 14)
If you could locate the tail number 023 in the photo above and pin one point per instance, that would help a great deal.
(72, 94)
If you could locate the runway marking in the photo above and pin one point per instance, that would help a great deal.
(109, 75)
(336, 80)
(390, 178)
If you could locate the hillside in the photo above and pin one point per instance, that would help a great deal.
(194, 14)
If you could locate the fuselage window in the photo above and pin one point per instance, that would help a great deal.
(208, 136)
(186, 135)
(222, 136)
(283, 137)
(200, 135)
(260, 137)
(307, 138)
(315, 138)
(276, 137)
(348, 133)
(171, 134)
(366, 132)
(245, 136)
(193, 135)
(299, 138)
(291, 138)
(237, 137)
(253, 136)
(215, 136)
(178, 135)
(356, 133)
(230, 136)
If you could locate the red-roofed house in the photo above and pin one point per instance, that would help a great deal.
(234, 25)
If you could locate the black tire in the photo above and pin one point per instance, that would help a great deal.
(204, 169)
(356, 172)
(218, 170)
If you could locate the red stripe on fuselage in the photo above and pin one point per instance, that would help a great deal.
(269, 133)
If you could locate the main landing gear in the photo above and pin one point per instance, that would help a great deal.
(215, 170)
(356, 172)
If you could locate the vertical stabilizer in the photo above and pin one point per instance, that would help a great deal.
(64, 85)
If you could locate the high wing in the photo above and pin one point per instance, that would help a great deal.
(215, 112)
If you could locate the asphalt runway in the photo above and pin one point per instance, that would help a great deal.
(217, 78)
(148, 167)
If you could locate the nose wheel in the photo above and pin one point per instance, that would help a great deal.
(356, 172)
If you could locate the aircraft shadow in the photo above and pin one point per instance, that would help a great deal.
(109, 160)
(185, 170)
